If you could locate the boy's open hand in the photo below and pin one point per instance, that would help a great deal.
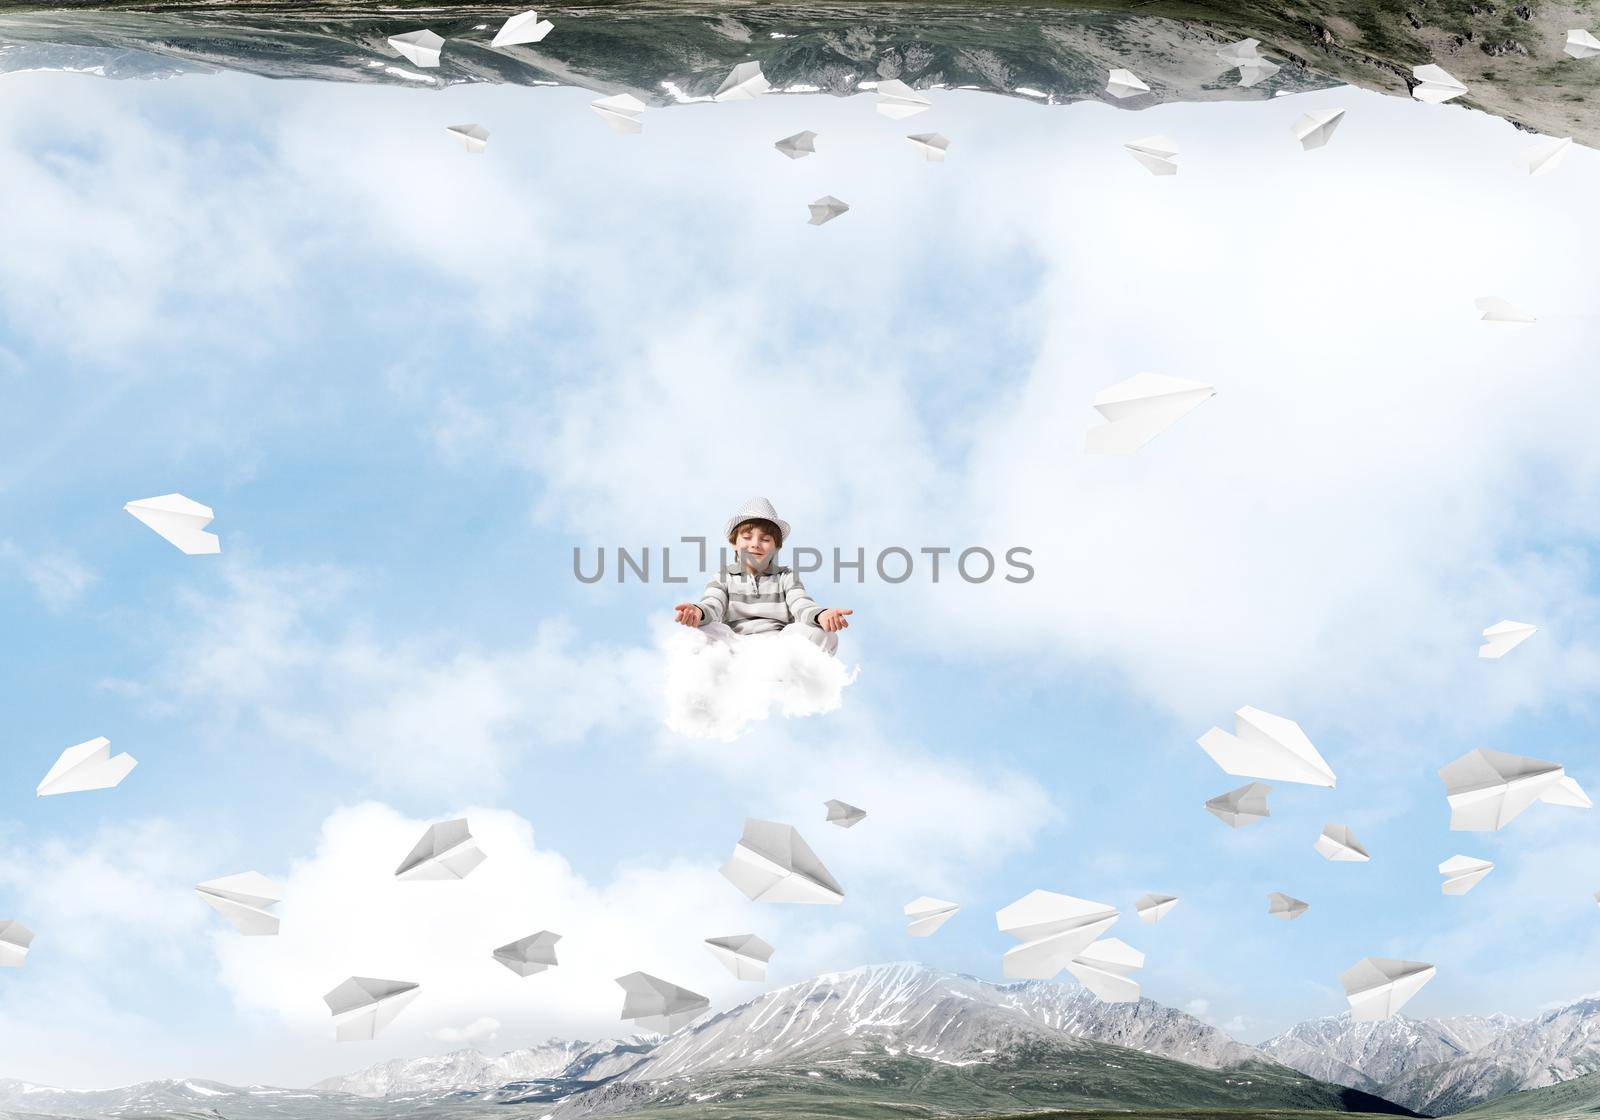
(688, 614)
(833, 619)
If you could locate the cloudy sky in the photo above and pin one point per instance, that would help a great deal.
(412, 381)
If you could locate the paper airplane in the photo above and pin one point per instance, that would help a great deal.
(1243, 55)
(1053, 928)
(1503, 637)
(931, 145)
(1434, 85)
(844, 814)
(1487, 790)
(180, 521)
(1377, 987)
(1287, 907)
(1103, 968)
(744, 82)
(1581, 44)
(14, 941)
(1123, 83)
(421, 47)
(1462, 873)
(1158, 154)
(446, 851)
(897, 101)
(526, 27)
(1541, 159)
(928, 914)
(1254, 73)
(1153, 907)
(1497, 310)
(1141, 408)
(1242, 806)
(363, 1006)
(84, 767)
(745, 955)
(656, 1005)
(826, 209)
(528, 955)
(1316, 128)
(798, 146)
(474, 137)
(1339, 845)
(621, 112)
(243, 899)
(771, 863)
(1269, 747)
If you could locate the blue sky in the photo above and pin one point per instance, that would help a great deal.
(411, 382)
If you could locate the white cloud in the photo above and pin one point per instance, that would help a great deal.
(482, 1029)
(58, 577)
(716, 689)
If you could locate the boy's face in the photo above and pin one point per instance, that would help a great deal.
(756, 541)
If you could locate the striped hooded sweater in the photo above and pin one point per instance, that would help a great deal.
(755, 604)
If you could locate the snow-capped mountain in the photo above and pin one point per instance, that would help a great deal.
(464, 1070)
(1368, 1056)
(156, 1098)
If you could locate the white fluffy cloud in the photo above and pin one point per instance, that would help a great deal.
(481, 1029)
(716, 689)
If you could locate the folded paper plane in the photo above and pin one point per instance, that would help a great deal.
(1104, 967)
(363, 1006)
(1503, 637)
(1339, 845)
(1153, 907)
(1541, 159)
(1287, 907)
(1241, 806)
(930, 145)
(928, 914)
(180, 521)
(1377, 987)
(744, 82)
(1487, 789)
(1268, 747)
(14, 941)
(897, 101)
(745, 955)
(1158, 154)
(525, 27)
(1141, 408)
(1434, 85)
(1462, 873)
(1124, 83)
(1497, 310)
(1254, 73)
(1246, 58)
(528, 955)
(1581, 44)
(421, 47)
(1315, 129)
(826, 209)
(84, 767)
(446, 851)
(1053, 928)
(656, 1005)
(621, 112)
(844, 814)
(474, 137)
(244, 899)
(798, 146)
(772, 863)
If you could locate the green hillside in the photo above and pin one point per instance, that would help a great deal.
(1578, 1097)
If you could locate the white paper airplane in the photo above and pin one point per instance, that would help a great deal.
(656, 1005)
(772, 863)
(844, 814)
(14, 941)
(180, 521)
(1497, 310)
(1487, 789)
(1287, 907)
(620, 111)
(525, 27)
(446, 851)
(1339, 845)
(421, 47)
(1153, 907)
(363, 1006)
(243, 899)
(1053, 929)
(1581, 44)
(1269, 747)
(1377, 987)
(1434, 85)
(1503, 637)
(1541, 159)
(1462, 873)
(745, 955)
(1141, 408)
(1254, 73)
(897, 101)
(1158, 154)
(798, 146)
(744, 82)
(826, 209)
(84, 767)
(1241, 806)
(474, 137)
(1103, 968)
(528, 955)
(931, 145)
(1244, 56)
(1315, 129)
(1124, 83)
(928, 914)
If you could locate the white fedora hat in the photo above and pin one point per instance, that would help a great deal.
(756, 509)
